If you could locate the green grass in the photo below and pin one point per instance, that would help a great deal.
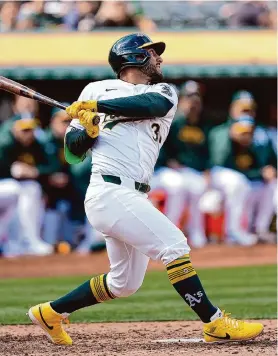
(247, 292)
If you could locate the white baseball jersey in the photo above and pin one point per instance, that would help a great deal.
(128, 149)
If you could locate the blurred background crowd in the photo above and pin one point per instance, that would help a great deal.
(146, 15)
(216, 174)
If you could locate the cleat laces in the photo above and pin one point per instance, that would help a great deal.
(231, 322)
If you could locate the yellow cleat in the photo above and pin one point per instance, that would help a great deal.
(227, 329)
(51, 323)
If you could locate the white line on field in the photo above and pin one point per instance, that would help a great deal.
(179, 340)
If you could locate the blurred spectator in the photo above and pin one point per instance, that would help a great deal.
(21, 106)
(32, 15)
(65, 188)
(186, 155)
(22, 164)
(235, 196)
(242, 102)
(58, 8)
(246, 174)
(56, 185)
(251, 14)
(146, 15)
(123, 14)
(273, 18)
(201, 167)
(8, 15)
(178, 14)
(226, 181)
(82, 16)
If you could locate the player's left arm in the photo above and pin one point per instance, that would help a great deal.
(155, 103)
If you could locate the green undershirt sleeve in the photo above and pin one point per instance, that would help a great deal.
(77, 143)
(142, 106)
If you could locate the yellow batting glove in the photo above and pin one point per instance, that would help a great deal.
(75, 107)
(89, 120)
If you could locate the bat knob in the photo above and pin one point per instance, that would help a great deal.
(96, 120)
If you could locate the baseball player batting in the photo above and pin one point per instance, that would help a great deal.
(136, 111)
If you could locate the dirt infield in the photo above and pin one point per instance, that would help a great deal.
(131, 339)
(74, 264)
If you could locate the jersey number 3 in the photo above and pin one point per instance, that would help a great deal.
(156, 133)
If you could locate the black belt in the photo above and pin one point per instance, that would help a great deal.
(142, 187)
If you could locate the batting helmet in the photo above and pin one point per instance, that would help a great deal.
(130, 51)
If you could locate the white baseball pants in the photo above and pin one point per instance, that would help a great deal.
(134, 231)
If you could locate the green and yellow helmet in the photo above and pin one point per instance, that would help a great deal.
(130, 51)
